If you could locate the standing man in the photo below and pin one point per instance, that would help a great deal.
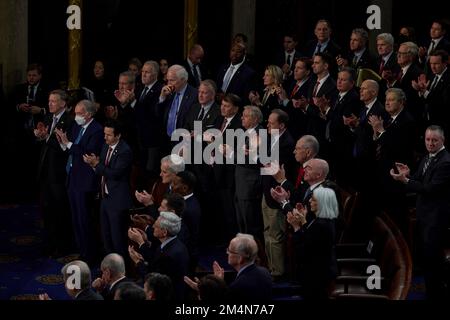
(52, 176)
(194, 67)
(431, 182)
(86, 137)
(114, 166)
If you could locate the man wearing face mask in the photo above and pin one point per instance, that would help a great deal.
(86, 137)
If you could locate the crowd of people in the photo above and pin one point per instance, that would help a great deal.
(110, 184)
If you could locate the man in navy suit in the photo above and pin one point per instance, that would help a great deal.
(175, 101)
(438, 32)
(252, 283)
(114, 167)
(86, 137)
(194, 67)
(431, 182)
(236, 77)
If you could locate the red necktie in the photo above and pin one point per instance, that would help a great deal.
(301, 172)
(294, 91)
(316, 87)
(381, 66)
(400, 76)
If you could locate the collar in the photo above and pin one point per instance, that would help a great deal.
(323, 80)
(435, 154)
(359, 53)
(237, 66)
(436, 41)
(113, 147)
(59, 115)
(323, 45)
(315, 185)
(114, 283)
(243, 268)
(149, 86)
(188, 196)
(370, 105)
(395, 117)
(190, 63)
(405, 69)
(163, 244)
(87, 125)
(182, 91)
(207, 107)
(388, 56)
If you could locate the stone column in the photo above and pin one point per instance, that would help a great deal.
(243, 20)
(190, 24)
(75, 53)
(14, 38)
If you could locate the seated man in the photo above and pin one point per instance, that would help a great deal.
(113, 273)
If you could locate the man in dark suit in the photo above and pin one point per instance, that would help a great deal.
(84, 290)
(431, 182)
(85, 138)
(395, 141)
(114, 166)
(52, 176)
(224, 173)
(438, 32)
(175, 101)
(386, 54)
(273, 218)
(435, 92)
(252, 283)
(286, 59)
(113, 274)
(149, 123)
(170, 256)
(359, 55)
(237, 77)
(194, 67)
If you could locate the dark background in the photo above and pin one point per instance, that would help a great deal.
(116, 30)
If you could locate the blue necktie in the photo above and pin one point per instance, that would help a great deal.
(172, 121)
(77, 141)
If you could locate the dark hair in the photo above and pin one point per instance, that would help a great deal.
(241, 35)
(135, 61)
(351, 72)
(326, 57)
(35, 66)
(130, 291)
(175, 202)
(442, 23)
(115, 125)
(233, 99)
(161, 285)
(212, 289)
(282, 116)
(441, 53)
(61, 93)
(306, 61)
(188, 179)
(291, 35)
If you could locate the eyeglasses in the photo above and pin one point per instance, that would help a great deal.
(402, 53)
(232, 252)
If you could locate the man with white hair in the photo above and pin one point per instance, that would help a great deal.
(169, 256)
(176, 99)
(113, 273)
(386, 55)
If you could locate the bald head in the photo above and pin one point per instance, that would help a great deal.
(316, 170)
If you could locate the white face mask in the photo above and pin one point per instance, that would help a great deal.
(80, 120)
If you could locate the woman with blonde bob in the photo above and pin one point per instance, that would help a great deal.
(315, 243)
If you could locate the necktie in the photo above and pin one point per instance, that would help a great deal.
(381, 66)
(301, 173)
(318, 48)
(388, 122)
(316, 87)
(77, 141)
(431, 48)
(294, 91)
(224, 124)
(30, 93)
(400, 75)
(434, 83)
(307, 195)
(55, 121)
(288, 60)
(144, 93)
(363, 115)
(355, 61)
(107, 159)
(172, 121)
(426, 164)
(196, 75)
(227, 79)
(201, 114)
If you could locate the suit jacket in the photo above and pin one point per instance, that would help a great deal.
(191, 79)
(286, 157)
(444, 44)
(437, 99)
(189, 99)
(432, 188)
(53, 160)
(117, 174)
(254, 283)
(391, 63)
(149, 118)
(316, 256)
(414, 104)
(109, 293)
(367, 60)
(191, 221)
(82, 178)
(88, 294)
(212, 119)
(243, 81)
(173, 261)
(298, 118)
(20, 95)
(332, 48)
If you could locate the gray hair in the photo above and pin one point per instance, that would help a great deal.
(85, 273)
(255, 113)
(311, 143)
(210, 84)
(327, 206)
(170, 222)
(180, 72)
(176, 163)
(246, 246)
(437, 129)
(373, 85)
(154, 65)
(386, 37)
(62, 94)
(362, 33)
(114, 263)
(398, 93)
(413, 49)
(131, 78)
(88, 106)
